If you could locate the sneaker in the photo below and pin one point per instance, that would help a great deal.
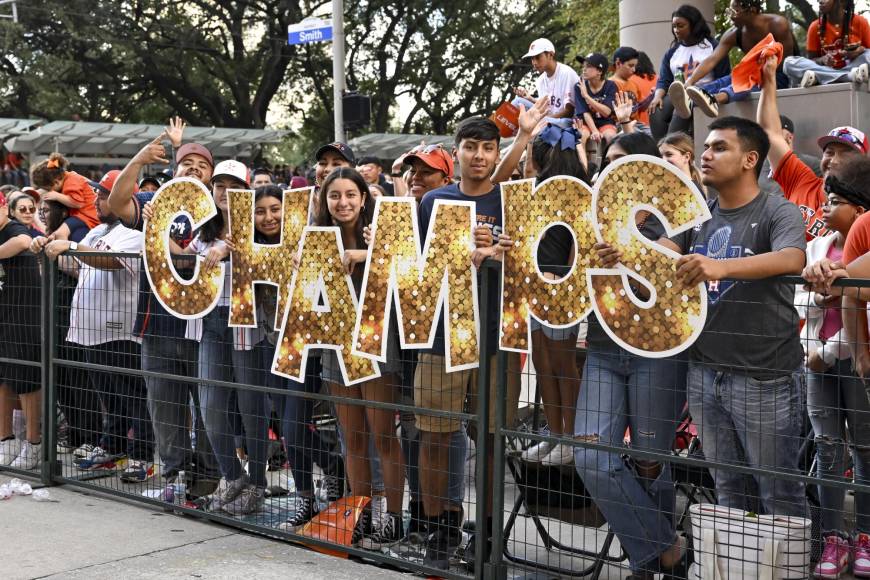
(227, 491)
(704, 101)
(471, 552)
(83, 451)
(333, 487)
(835, 558)
(137, 471)
(306, 509)
(363, 526)
(861, 557)
(29, 457)
(809, 80)
(560, 455)
(680, 100)
(250, 500)
(9, 450)
(99, 458)
(378, 504)
(390, 533)
(536, 453)
(438, 550)
(860, 74)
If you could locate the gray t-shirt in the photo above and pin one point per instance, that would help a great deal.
(752, 326)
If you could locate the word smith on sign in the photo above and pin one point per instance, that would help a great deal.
(310, 30)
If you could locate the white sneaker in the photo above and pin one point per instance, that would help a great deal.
(680, 100)
(536, 453)
(704, 101)
(809, 80)
(860, 75)
(560, 455)
(9, 450)
(29, 458)
(83, 450)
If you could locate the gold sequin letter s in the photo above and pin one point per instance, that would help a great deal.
(420, 284)
(182, 298)
(321, 311)
(528, 212)
(672, 317)
(252, 263)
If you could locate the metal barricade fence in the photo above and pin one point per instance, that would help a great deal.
(609, 489)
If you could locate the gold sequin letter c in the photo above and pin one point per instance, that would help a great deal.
(182, 298)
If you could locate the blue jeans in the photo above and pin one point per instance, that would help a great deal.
(219, 361)
(723, 85)
(836, 400)
(796, 66)
(620, 390)
(759, 423)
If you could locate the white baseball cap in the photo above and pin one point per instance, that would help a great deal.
(538, 46)
(234, 169)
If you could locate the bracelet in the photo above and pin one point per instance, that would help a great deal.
(399, 174)
(625, 122)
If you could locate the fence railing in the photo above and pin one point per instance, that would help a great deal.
(625, 460)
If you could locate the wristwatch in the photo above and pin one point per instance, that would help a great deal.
(73, 246)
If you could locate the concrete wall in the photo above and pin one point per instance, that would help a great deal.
(814, 111)
(646, 24)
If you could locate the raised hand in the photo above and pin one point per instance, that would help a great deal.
(529, 120)
(175, 131)
(623, 105)
(153, 152)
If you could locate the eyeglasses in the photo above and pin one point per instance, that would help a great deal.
(832, 203)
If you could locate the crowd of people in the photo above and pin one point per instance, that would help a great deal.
(748, 381)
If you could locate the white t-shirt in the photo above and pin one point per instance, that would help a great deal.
(687, 58)
(104, 303)
(243, 338)
(559, 87)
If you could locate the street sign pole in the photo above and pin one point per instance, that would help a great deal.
(338, 75)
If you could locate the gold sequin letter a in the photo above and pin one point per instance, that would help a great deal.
(420, 284)
(673, 317)
(182, 298)
(528, 212)
(321, 311)
(252, 263)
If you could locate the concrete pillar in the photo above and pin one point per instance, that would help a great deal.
(646, 24)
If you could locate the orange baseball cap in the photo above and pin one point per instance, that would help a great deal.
(107, 182)
(435, 156)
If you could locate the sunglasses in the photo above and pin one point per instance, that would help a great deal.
(848, 136)
(26, 209)
(427, 148)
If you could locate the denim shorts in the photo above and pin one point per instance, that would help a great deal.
(332, 371)
(555, 333)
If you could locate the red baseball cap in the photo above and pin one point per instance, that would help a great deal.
(435, 156)
(847, 136)
(193, 149)
(107, 182)
(32, 192)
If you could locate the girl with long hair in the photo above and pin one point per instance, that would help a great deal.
(678, 149)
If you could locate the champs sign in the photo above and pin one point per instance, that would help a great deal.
(640, 302)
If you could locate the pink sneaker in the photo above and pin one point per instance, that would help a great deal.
(861, 556)
(835, 558)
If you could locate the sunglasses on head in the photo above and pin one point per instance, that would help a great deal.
(426, 149)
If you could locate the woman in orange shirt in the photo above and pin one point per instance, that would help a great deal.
(837, 46)
(66, 187)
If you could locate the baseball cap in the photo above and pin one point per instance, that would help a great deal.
(298, 182)
(786, 123)
(149, 179)
(193, 149)
(848, 136)
(342, 149)
(436, 157)
(32, 192)
(107, 182)
(598, 61)
(539, 46)
(234, 169)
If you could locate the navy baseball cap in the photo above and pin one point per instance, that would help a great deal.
(342, 149)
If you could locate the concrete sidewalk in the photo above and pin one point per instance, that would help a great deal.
(80, 534)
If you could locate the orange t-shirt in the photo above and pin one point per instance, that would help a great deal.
(805, 189)
(628, 86)
(81, 192)
(858, 240)
(859, 33)
(646, 87)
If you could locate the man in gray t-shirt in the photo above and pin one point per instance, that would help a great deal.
(745, 387)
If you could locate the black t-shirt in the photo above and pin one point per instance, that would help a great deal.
(554, 251)
(19, 283)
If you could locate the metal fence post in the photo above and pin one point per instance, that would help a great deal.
(50, 466)
(483, 402)
(499, 571)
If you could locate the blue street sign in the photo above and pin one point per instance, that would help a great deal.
(310, 30)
